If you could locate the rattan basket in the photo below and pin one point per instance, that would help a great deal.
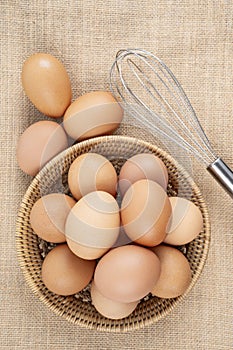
(53, 178)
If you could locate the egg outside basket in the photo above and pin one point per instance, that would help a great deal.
(53, 178)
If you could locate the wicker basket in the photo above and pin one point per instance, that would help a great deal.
(53, 178)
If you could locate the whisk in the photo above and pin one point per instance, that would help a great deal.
(150, 92)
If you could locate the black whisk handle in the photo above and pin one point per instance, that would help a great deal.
(223, 174)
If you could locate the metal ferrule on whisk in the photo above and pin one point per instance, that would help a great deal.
(223, 174)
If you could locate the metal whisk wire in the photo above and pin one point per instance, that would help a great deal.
(179, 104)
(169, 120)
(150, 92)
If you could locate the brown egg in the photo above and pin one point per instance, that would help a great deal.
(92, 225)
(175, 275)
(91, 172)
(142, 166)
(127, 274)
(95, 113)
(84, 251)
(145, 212)
(64, 273)
(48, 216)
(185, 223)
(46, 83)
(39, 143)
(110, 308)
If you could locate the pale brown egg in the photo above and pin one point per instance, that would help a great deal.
(91, 172)
(84, 251)
(142, 166)
(114, 310)
(175, 275)
(95, 113)
(48, 216)
(186, 222)
(39, 143)
(92, 225)
(64, 273)
(46, 83)
(127, 274)
(145, 212)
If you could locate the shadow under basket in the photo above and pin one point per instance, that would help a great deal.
(53, 178)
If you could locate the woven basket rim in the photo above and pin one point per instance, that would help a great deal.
(52, 163)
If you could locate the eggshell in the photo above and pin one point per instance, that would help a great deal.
(142, 166)
(39, 143)
(186, 222)
(95, 113)
(110, 308)
(65, 273)
(92, 225)
(46, 83)
(175, 275)
(48, 216)
(91, 172)
(84, 251)
(145, 212)
(126, 274)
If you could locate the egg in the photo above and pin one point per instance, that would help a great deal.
(64, 273)
(92, 114)
(175, 275)
(145, 212)
(39, 143)
(186, 222)
(46, 83)
(127, 274)
(92, 225)
(110, 308)
(48, 216)
(142, 166)
(91, 172)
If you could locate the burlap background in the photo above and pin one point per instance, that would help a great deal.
(194, 37)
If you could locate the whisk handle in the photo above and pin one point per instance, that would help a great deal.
(223, 174)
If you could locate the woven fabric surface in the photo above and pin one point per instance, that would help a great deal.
(195, 39)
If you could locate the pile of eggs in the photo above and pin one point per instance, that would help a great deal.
(47, 85)
(117, 233)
